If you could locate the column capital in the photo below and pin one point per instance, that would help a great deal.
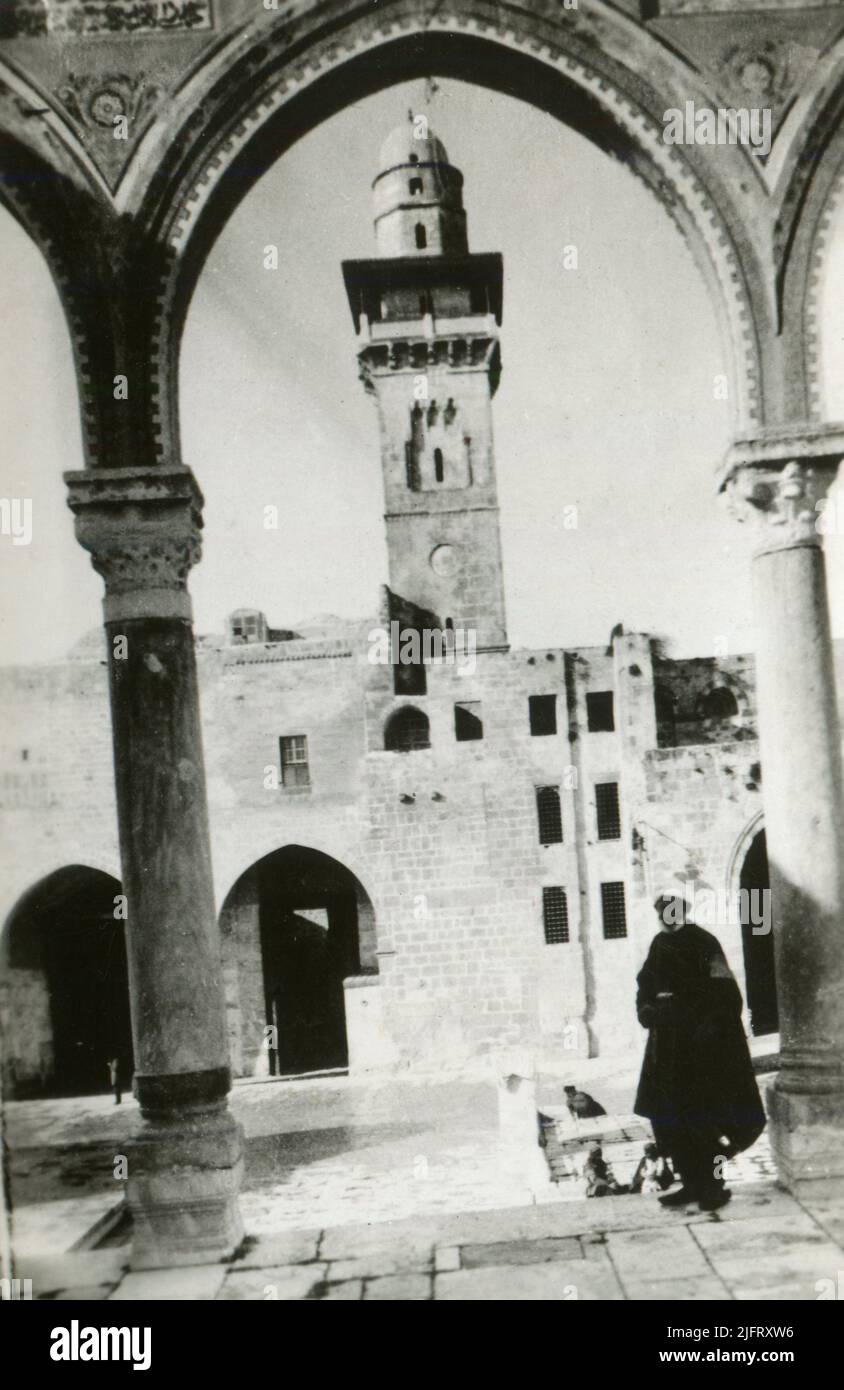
(776, 479)
(142, 528)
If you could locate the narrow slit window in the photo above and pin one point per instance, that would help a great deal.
(543, 714)
(607, 811)
(555, 916)
(421, 237)
(439, 470)
(613, 910)
(550, 815)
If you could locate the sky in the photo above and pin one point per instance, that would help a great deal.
(606, 403)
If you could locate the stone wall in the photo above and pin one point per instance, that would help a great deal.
(443, 842)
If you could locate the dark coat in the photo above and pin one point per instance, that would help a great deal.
(696, 1074)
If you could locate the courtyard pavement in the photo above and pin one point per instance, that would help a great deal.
(400, 1189)
(763, 1246)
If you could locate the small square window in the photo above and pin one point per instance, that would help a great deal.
(543, 714)
(608, 812)
(294, 761)
(415, 185)
(613, 910)
(468, 723)
(550, 815)
(555, 916)
(599, 712)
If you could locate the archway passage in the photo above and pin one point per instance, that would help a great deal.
(758, 947)
(64, 995)
(294, 927)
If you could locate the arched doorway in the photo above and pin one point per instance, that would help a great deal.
(758, 946)
(64, 995)
(294, 927)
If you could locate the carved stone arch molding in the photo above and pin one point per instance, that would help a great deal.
(274, 80)
(262, 79)
(811, 188)
(103, 263)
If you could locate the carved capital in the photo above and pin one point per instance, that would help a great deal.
(142, 528)
(777, 481)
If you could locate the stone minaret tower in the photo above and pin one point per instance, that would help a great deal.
(426, 313)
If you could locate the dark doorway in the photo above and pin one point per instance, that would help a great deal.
(67, 987)
(309, 944)
(758, 947)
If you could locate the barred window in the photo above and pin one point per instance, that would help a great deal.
(555, 916)
(613, 910)
(543, 714)
(608, 814)
(599, 712)
(407, 731)
(468, 724)
(294, 761)
(550, 816)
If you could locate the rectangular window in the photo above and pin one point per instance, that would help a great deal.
(555, 916)
(550, 815)
(294, 761)
(599, 712)
(608, 813)
(613, 910)
(468, 723)
(543, 714)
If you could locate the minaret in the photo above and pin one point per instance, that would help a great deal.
(426, 312)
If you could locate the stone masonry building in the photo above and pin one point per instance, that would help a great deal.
(415, 861)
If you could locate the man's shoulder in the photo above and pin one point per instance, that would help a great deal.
(703, 937)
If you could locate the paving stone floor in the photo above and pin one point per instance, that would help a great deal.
(395, 1190)
(763, 1246)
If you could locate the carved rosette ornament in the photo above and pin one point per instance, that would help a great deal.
(779, 482)
(142, 528)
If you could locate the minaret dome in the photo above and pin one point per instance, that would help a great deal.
(418, 195)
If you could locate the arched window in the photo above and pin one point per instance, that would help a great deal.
(439, 473)
(719, 703)
(407, 730)
(421, 237)
(415, 186)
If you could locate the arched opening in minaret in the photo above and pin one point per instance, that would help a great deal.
(294, 927)
(421, 236)
(64, 989)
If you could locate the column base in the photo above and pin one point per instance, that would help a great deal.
(807, 1138)
(184, 1179)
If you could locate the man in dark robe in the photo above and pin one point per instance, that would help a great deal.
(697, 1086)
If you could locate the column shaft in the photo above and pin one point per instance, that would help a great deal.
(184, 1169)
(777, 484)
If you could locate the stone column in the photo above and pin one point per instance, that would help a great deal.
(774, 484)
(142, 526)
